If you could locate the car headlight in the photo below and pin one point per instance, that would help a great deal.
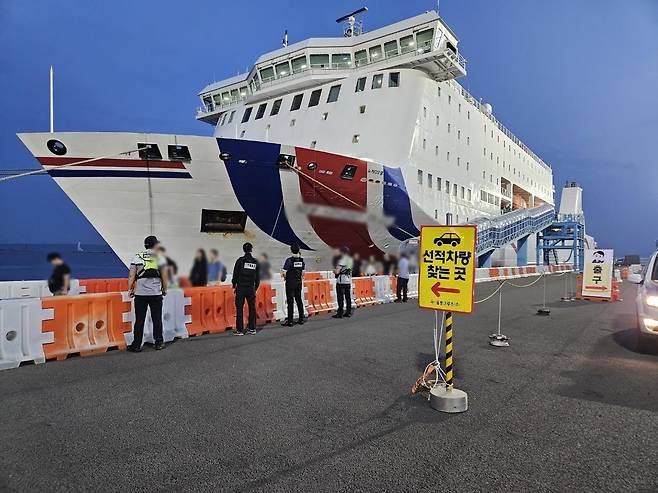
(652, 301)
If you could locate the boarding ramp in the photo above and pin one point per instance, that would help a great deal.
(497, 232)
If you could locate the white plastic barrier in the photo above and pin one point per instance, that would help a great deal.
(413, 286)
(383, 289)
(280, 303)
(31, 289)
(173, 318)
(21, 338)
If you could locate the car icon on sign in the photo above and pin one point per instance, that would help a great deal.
(448, 239)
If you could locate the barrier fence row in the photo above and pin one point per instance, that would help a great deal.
(40, 328)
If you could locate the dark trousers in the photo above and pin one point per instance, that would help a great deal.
(344, 295)
(294, 294)
(242, 294)
(142, 303)
(401, 289)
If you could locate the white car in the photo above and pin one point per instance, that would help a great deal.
(647, 303)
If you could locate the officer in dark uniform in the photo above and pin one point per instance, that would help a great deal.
(293, 272)
(245, 283)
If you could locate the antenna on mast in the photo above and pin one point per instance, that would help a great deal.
(353, 27)
(52, 102)
(285, 39)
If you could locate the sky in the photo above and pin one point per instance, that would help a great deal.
(576, 80)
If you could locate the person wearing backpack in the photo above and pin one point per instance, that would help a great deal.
(147, 283)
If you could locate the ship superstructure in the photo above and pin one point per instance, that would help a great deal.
(355, 140)
(388, 96)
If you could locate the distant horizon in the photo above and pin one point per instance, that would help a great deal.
(591, 117)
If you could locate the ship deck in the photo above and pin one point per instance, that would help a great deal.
(569, 406)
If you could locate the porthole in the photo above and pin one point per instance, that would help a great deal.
(56, 147)
(312, 166)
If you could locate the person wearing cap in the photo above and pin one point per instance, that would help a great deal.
(293, 273)
(147, 284)
(245, 282)
(343, 272)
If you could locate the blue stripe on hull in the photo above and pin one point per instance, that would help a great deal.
(257, 186)
(398, 206)
(103, 173)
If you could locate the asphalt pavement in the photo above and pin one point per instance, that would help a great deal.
(569, 406)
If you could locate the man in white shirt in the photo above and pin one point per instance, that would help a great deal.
(147, 283)
(343, 272)
(403, 279)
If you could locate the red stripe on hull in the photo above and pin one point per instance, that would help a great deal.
(336, 232)
(112, 163)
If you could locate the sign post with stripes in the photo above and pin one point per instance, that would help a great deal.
(446, 282)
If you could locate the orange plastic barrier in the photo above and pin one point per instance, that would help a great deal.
(624, 272)
(104, 285)
(264, 305)
(184, 282)
(312, 276)
(85, 324)
(209, 309)
(364, 291)
(318, 295)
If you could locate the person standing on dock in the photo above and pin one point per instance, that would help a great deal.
(59, 282)
(293, 273)
(403, 279)
(147, 283)
(245, 282)
(343, 272)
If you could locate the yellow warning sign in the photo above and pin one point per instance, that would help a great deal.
(446, 273)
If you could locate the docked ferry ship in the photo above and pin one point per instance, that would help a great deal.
(354, 140)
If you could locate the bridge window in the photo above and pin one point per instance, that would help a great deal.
(360, 58)
(226, 98)
(276, 106)
(424, 40)
(243, 92)
(447, 186)
(180, 153)
(267, 74)
(375, 53)
(333, 94)
(360, 85)
(438, 184)
(407, 44)
(221, 122)
(377, 81)
(394, 79)
(315, 98)
(261, 111)
(341, 60)
(420, 177)
(234, 96)
(213, 221)
(282, 69)
(297, 102)
(247, 114)
(463, 192)
(319, 61)
(391, 48)
(149, 151)
(429, 180)
(454, 189)
(230, 118)
(298, 64)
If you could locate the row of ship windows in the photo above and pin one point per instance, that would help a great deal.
(464, 193)
(506, 146)
(407, 44)
(314, 99)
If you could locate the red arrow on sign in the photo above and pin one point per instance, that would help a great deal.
(437, 289)
(596, 288)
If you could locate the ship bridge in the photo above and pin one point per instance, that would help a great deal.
(424, 42)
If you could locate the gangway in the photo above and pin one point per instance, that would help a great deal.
(554, 232)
